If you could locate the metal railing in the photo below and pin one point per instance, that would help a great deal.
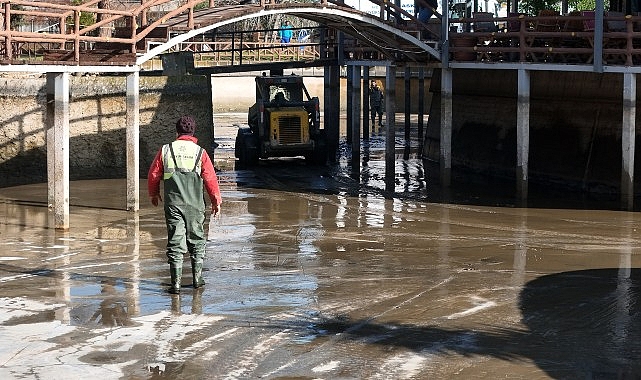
(127, 29)
(548, 39)
(78, 35)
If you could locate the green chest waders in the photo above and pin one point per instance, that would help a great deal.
(185, 217)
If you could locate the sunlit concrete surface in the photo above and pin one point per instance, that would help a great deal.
(313, 274)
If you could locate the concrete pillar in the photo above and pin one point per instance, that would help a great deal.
(355, 110)
(133, 134)
(628, 134)
(408, 103)
(214, 144)
(49, 125)
(331, 109)
(365, 102)
(445, 158)
(421, 103)
(390, 128)
(133, 251)
(597, 58)
(60, 182)
(350, 89)
(522, 133)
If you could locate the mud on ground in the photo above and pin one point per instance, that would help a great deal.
(313, 272)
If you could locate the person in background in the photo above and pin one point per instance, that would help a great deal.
(424, 11)
(184, 167)
(303, 36)
(376, 103)
(286, 32)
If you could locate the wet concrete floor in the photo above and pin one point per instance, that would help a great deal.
(314, 274)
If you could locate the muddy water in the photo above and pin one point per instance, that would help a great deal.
(322, 273)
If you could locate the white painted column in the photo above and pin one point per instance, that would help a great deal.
(133, 293)
(133, 133)
(522, 133)
(445, 144)
(628, 134)
(49, 125)
(60, 182)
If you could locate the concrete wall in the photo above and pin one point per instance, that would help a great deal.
(98, 114)
(97, 124)
(575, 126)
(238, 93)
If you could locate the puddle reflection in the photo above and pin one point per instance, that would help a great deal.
(311, 257)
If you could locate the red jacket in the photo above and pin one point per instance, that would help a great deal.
(208, 174)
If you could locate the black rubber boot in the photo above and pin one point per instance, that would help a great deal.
(176, 275)
(197, 273)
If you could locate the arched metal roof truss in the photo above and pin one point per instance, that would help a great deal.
(368, 30)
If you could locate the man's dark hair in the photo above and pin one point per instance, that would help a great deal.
(186, 125)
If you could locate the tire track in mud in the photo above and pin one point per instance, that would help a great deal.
(341, 349)
(256, 353)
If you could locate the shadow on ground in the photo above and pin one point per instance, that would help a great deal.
(580, 325)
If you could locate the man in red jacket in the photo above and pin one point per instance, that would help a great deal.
(184, 167)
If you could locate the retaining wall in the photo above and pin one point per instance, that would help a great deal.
(97, 114)
(575, 127)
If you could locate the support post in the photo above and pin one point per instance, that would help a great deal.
(445, 145)
(60, 185)
(390, 128)
(445, 38)
(421, 104)
(133, 133)
(50, 125)
(408, 103)
(355, 110)
(597, 57)
(522, 134)
(366, 131)
(628, 135)
(214, 144)
(332, 109)
(350, 96)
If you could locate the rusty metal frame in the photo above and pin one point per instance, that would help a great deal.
(135, 18)
(132, 18)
